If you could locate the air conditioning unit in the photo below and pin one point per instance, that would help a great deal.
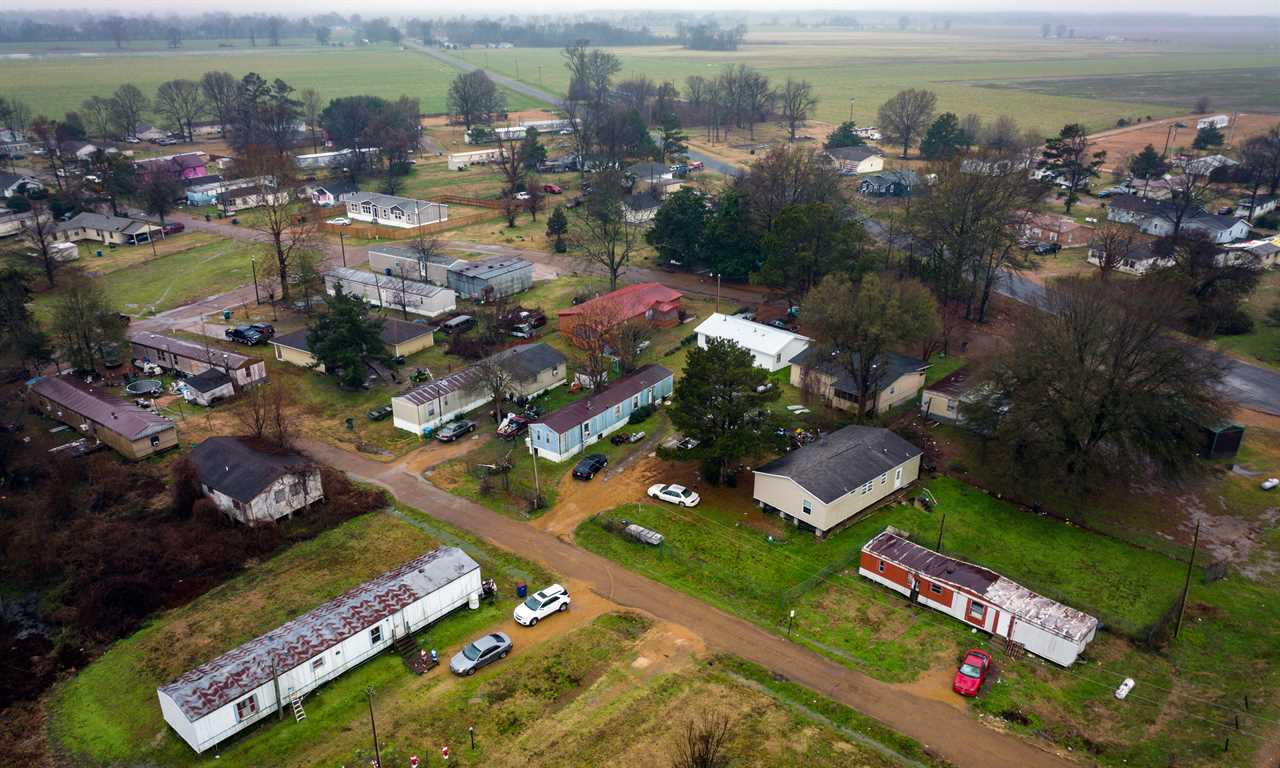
(84, 427)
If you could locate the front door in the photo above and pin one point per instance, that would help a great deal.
(897, 478)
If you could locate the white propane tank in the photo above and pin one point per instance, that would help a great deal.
(1124, 688)
(473, 602)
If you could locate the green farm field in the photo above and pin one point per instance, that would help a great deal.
(55, 85)
(869, 67)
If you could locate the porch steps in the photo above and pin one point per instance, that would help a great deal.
(299, 714)
(406, 646)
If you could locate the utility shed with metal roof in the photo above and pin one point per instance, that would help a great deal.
(978, 596)
(821, 485)
(222, 697)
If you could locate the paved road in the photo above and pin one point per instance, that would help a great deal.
(709, 161)
(946, 730)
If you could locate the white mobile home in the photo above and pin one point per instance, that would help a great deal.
(1216, 121)
(229, 694)
(772, 348)
(978, 597)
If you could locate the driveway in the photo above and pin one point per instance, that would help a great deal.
(946, 731)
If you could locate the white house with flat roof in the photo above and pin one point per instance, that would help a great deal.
(771, 348)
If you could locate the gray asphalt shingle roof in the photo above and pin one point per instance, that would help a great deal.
(840, 462)
(234, 467)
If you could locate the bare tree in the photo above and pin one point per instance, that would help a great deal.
(38, 232)
(311, 107)
(1111, 244)
(535, 200)
(496, 380)
(287, 233)
(703, 743)
(1188, 194)
(97, 115)
(219, 90)
(906, 115)
(127, 105)
(253, 410)
(182, 103)
(1094, 386)
(796, 101)
(509, 166)
(118, 28)
(601, 229)
(83, 321)
(590, 333)
(473, 98)
(627, 340)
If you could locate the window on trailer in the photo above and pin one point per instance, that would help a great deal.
(375, 635)
(246, 708)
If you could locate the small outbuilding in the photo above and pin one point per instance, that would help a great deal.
(944, 399)
(208, 387)
(979, 597)
(223, 697)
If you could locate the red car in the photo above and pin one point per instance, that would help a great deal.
(173, 228)
(972, 673)
(552, 189)
(696, 165)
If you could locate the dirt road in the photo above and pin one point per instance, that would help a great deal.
(951, 734)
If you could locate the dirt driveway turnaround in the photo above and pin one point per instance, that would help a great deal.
(952, 734)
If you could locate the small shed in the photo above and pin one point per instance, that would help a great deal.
(490, 278)
(208, 387)
(1221, 441)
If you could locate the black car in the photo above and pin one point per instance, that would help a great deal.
(1044, 249)
(244, 334)
(265, 330)
(590, 465)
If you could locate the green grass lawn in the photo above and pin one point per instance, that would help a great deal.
(108, 712)
(56, 85)
(1229, 648)
(1263, 344)
(171, 281)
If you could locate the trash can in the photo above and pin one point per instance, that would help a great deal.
(473, 600)
(226, 314)
(98, 253)
(522, 590)
(351, 424)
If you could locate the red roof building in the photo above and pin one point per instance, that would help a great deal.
(655, 303)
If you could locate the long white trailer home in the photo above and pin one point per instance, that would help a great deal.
(229, 694)
(978, 597)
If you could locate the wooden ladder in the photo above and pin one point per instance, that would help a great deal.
(299, 714)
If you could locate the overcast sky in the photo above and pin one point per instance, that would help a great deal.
(492, 7)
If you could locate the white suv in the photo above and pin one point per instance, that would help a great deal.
(542, 604)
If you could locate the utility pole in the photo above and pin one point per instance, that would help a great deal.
(537, 488)
(941, 524)
(342, 243)
(851, 109)
(377, 756)
(253, 264)
(718, 292)
(1186, 585)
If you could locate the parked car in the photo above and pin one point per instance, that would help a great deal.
(454, 430)
(590, 465)
(552, 189)
(621, 438)
(340, 221)
(512, 426)
(972, 673)
(675, 494)
(479, 653)
(173, 228)
(243, 334)
(696, 165)
(380, 413)
(265, 330)
(459, 324)
(522, 195)
(687, 444)
(522, 331)
(542, 604)
(1044, 249)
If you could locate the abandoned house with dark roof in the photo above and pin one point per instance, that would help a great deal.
(255, 484)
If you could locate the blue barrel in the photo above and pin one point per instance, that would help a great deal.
(522, 589)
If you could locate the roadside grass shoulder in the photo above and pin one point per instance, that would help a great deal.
(1262, 345)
